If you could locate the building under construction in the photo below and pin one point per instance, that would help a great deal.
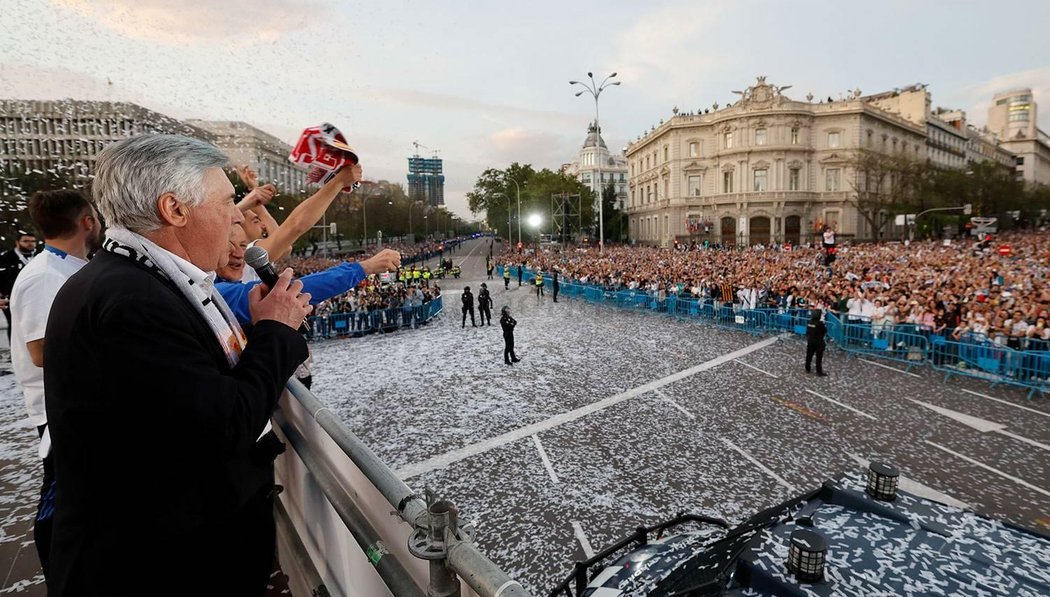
(426, 183)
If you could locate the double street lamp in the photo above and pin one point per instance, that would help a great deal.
(596, 90)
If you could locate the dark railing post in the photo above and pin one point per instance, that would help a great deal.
(581, 578)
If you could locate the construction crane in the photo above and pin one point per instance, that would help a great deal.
(417, 145)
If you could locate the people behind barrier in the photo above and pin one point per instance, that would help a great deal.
(964, 290)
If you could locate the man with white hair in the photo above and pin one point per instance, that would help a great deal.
(156, 397)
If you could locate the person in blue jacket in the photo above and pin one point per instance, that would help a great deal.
(322, 285)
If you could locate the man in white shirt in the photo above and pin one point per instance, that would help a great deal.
(71, 230)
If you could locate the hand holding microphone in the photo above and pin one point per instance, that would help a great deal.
(285, 301)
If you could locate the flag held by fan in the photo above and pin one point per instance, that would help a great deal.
(322, 151)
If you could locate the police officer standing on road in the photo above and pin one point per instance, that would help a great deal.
(485, 304)
(507, 323)
(521, 271)
(815, 332)
(468, 305)
(506, 276)
(554, 284)
(489, 265)
(539, 283)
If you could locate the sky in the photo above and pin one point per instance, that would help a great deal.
(485, 83)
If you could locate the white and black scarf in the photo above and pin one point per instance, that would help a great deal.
(208, 302)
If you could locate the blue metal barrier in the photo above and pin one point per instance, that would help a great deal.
(992, 362)
(905, 344)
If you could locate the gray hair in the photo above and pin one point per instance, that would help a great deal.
(133, 173)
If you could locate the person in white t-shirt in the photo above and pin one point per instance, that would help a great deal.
(71, 230)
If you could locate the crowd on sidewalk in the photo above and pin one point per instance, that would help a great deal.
(963, 289)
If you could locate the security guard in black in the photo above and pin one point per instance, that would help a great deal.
(815, 344)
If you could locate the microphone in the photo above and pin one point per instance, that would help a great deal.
(259, 260)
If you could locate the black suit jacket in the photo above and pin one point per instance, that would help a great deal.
(160, 488)
(10, 265)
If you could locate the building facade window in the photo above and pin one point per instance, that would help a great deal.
(694, 149)
(834, 139)
(831, 184)
(727, 140)
(761, 178)
(793, 179)
(760, 136)
(694, 186)
(666, 153)
(794, 135)
(727, 182)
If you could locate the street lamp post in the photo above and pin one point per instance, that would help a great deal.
(596, 90)
(518, 188)
(364, 218)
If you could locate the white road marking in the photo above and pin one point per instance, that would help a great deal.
(584, 543)
(845, 406)
(1030, 442)
(757, 369)
(763, 467)
(443, 460)
(890, 368)
(1020, 482)
(915, 488)
(546, 461)
(668, 400)
(1008, 403)
(982, 425)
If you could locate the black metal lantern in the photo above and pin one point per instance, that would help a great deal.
(806, 555)
(882, 481)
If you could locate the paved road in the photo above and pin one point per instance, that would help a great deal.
(615, 419)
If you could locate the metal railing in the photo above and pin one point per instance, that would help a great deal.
(911, 345)
(347, 505)
(360, 323)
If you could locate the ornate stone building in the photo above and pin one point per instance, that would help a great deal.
(585, 166)
(765, 169)
(1013, 117)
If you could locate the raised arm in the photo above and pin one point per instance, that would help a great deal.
(306, 214)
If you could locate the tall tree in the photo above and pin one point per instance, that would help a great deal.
(497, 196)
(883, 185)
(615, 219)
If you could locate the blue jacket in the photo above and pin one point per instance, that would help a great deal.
(322, 286)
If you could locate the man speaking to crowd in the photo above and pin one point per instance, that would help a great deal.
(156, 397)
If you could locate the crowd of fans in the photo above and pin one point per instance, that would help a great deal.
(962, 290)
(378, 296)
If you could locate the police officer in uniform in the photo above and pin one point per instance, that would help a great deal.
(555, 285)
(521, 271)
(468, 305)
(506, 276)
(815, 332)
(507, 323)
(539, 283)
(485, 305)
(489, 265)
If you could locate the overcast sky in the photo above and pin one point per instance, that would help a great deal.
(486, 82)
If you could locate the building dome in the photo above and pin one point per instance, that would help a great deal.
(591, 133)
